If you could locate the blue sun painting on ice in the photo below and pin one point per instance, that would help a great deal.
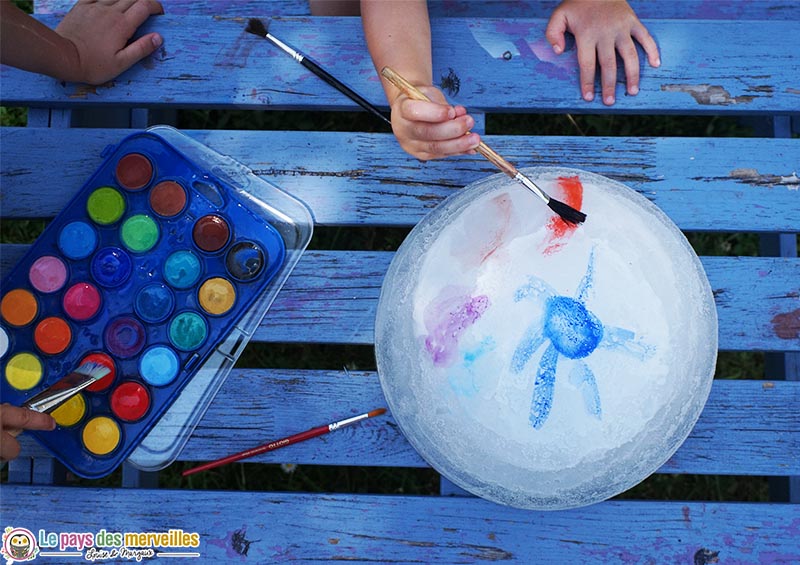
(573, 332)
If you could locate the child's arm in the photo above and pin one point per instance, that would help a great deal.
(398, 35)
(89, 45)
(601, 29)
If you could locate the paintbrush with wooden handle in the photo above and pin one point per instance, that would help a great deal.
(565, 211)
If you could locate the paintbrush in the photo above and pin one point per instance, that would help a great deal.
(565, 211)
(273, 445)
(257, 27)
(64, 388)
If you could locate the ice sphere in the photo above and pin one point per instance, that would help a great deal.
(538, 364)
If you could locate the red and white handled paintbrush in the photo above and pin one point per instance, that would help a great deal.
(277, 444)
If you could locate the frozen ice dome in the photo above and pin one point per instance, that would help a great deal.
(541, 365)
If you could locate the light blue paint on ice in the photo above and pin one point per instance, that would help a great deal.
(620, 338)
(463, 381)
(532, 340)
(583, 379)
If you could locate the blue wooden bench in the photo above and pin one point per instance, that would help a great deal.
(720, 58)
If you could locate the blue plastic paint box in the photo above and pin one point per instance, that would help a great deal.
(161, 268)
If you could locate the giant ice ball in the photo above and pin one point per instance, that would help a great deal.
(539, 364)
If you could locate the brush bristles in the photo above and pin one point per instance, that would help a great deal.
(567, 212)
(95, 370)
(377, 412)
(256, 27)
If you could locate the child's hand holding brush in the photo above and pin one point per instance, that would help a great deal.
(432, 129)
(398, 33)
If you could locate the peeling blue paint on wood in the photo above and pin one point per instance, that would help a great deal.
(298, 527)
(356, 178)
(684, 9)
(230, 67)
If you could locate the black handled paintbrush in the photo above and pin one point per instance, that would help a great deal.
(257, 27)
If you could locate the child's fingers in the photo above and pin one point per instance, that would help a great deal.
(140, 10)
(443, 131)
(587, 60)
(424, 111)
(460, 111)
(437, 149)
(433, 129)
(14, 417)
(640, 34)
(425, 140)
(119, 5)
(630, 58)
(607, 58)
(138, 50)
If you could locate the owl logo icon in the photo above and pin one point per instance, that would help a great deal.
(19, 545)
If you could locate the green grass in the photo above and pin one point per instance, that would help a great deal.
(249, 476)
(10, 116)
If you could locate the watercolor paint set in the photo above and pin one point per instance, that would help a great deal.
(160, 268)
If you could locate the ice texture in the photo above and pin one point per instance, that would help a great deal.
(539, 365)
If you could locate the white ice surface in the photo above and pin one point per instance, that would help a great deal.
(469, 417)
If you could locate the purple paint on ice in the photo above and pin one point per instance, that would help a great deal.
(447, 320)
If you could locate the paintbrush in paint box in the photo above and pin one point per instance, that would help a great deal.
(64, 388)
(257, 27)
(277, 444)
(565, 211)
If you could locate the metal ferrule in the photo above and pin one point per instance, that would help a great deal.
(528, 183)
(48, 401)
(343, 423)
(295, 55)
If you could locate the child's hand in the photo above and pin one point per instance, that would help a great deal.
(602, 28)
(432, 130)
(14, 419)
(100, 31)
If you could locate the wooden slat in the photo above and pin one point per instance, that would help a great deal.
(671, 9)
(332, 297)
(746, 428)
(666, 9)
(212, 62)
(275, 527)
(204, 7)
(363, 179)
